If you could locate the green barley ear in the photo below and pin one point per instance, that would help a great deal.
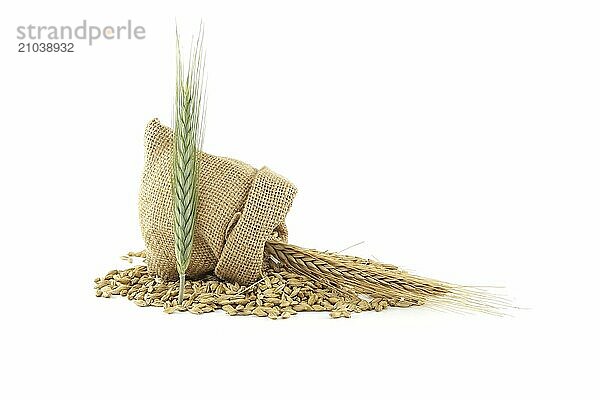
(189, 124)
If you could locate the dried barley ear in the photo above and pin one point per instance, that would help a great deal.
(356, 276)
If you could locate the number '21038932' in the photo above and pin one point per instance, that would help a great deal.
(46, 47)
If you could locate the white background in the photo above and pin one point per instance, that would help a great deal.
(458, 139)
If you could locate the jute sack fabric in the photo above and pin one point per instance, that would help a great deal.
(239, 209)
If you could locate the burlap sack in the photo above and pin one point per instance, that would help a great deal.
(239, 208)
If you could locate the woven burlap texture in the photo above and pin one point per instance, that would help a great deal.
(239, 209)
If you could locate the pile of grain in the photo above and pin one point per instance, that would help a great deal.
(279, 294)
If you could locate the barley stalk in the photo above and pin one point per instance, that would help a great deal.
(189, 124)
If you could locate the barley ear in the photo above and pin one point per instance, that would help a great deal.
(357, 276)
(189, 124)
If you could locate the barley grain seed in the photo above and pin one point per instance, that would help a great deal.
(278, 295)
